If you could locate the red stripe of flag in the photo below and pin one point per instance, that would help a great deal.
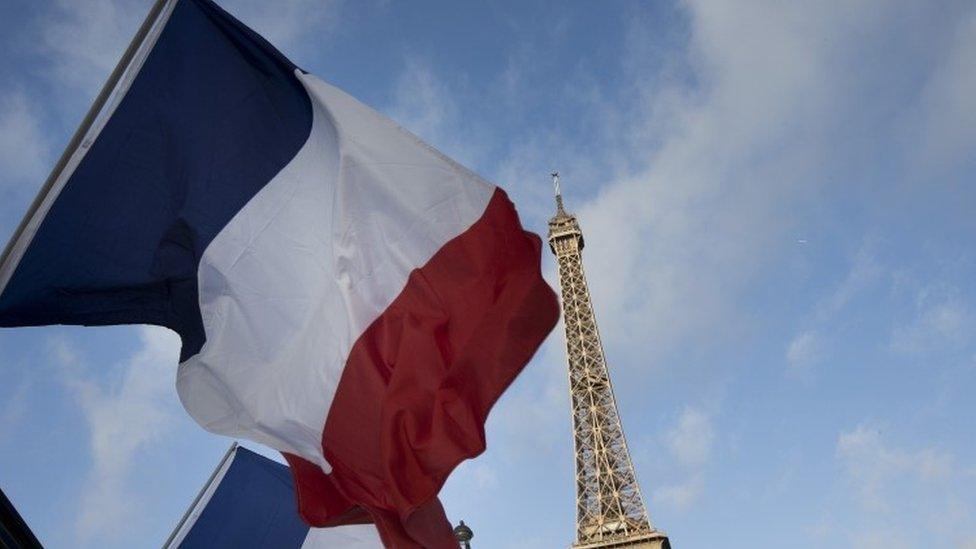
(419, 382)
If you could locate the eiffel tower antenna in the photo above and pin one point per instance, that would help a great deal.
(610, 510)
(559, 194)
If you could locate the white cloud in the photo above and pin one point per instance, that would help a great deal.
(892, 486)
(485, 477)
(872, 466)
(427, 107)
(880, 539)
(680, 496)
(704, 173)
(949, 101)
(932, 465)
(423, 104)
(694, 226)
(804, 350)
(864, 271)
(12, 410)
(533, 417)
(127, 414)
(24, 150)
(287, 23)
(63, 352)
(809, 346)
(690, 440)
(710, 172)
(84, 40)
(942, 321)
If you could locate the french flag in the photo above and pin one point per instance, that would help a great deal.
(344, 292)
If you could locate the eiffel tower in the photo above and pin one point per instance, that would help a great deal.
(610, 511)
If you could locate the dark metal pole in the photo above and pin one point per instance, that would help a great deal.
(14, 532)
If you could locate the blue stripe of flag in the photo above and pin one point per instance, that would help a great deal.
(253, 506)
(214, 113)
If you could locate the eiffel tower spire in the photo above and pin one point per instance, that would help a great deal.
(610, 511)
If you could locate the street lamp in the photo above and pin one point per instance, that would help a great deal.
(464, 535)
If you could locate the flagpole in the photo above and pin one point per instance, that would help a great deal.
(86, 125)
(227, 455)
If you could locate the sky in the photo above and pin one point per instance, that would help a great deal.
(779, 204)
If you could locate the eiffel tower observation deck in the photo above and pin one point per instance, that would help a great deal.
(610, 510)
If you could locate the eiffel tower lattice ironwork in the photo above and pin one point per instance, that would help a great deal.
(610, 511)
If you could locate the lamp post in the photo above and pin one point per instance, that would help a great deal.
(464, 535)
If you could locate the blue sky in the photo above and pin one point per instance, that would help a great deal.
(779, 202)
